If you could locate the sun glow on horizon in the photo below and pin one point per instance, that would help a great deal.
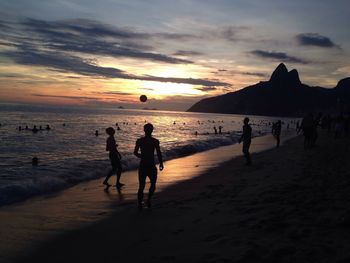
(162, 89)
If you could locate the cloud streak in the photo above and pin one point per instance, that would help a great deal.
(206, 89)
(279, 56)
(187, 53)
(73, 64)
(90, 37)
(314, 39)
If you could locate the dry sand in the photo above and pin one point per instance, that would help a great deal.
(291, 205)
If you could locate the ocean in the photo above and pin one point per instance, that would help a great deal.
(70, 152)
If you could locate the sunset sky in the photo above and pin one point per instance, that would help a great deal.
(109, 52)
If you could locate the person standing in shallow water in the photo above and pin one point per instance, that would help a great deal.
(246, 138)
(147, 168)
(114, 157)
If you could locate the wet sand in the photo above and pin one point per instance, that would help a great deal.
(26, 225)
(291, 205)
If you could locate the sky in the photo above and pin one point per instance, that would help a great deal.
(107, 53)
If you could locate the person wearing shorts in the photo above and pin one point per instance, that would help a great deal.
(144, 149)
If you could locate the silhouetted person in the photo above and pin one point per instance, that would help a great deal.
(47, 127)
(196, 133)
(215, 130)
(118, 128)
(19, 128)
(246, 138)
(307, 125)
(114, 157)
(35, 129)
(276, 131)
(316, 123)
(27, 127)
(220, 129)
(339, 126)
(63, 124)
(35, 161)
(96, 133)
(147, 168)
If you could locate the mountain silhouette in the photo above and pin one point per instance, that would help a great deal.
(283, 95)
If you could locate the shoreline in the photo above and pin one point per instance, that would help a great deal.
(291, 205)
(28, 224)
(26, 194)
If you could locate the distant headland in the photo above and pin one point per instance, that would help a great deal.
(283, 95)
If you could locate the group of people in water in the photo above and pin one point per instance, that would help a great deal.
(35, 129)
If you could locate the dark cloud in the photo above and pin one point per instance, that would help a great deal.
(116, 93)
(229, 72)
(64, 97)
(82, 27)
(280, 56)
(204, 82)
(187, 53)
(256, 74)
(206, 88)
(73, 64)
(175, 36)
(231, 33)
(314, 39)
(89, 37)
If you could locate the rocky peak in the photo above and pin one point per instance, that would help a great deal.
(293, 77)
(279, 74)
(343, 84)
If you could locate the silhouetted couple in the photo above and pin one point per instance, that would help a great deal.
(144, 149)
(309, 126)
(247, 139)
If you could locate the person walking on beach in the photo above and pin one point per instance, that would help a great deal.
(147, 168)
(246, 138)
(114, 157)
(276, 131)
(307, 125)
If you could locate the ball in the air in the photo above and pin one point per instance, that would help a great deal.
(143, 98)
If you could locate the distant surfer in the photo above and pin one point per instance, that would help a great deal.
(246, 138)
(147, 145)
(114, 157)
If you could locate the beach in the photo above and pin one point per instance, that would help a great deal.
(289, 206)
